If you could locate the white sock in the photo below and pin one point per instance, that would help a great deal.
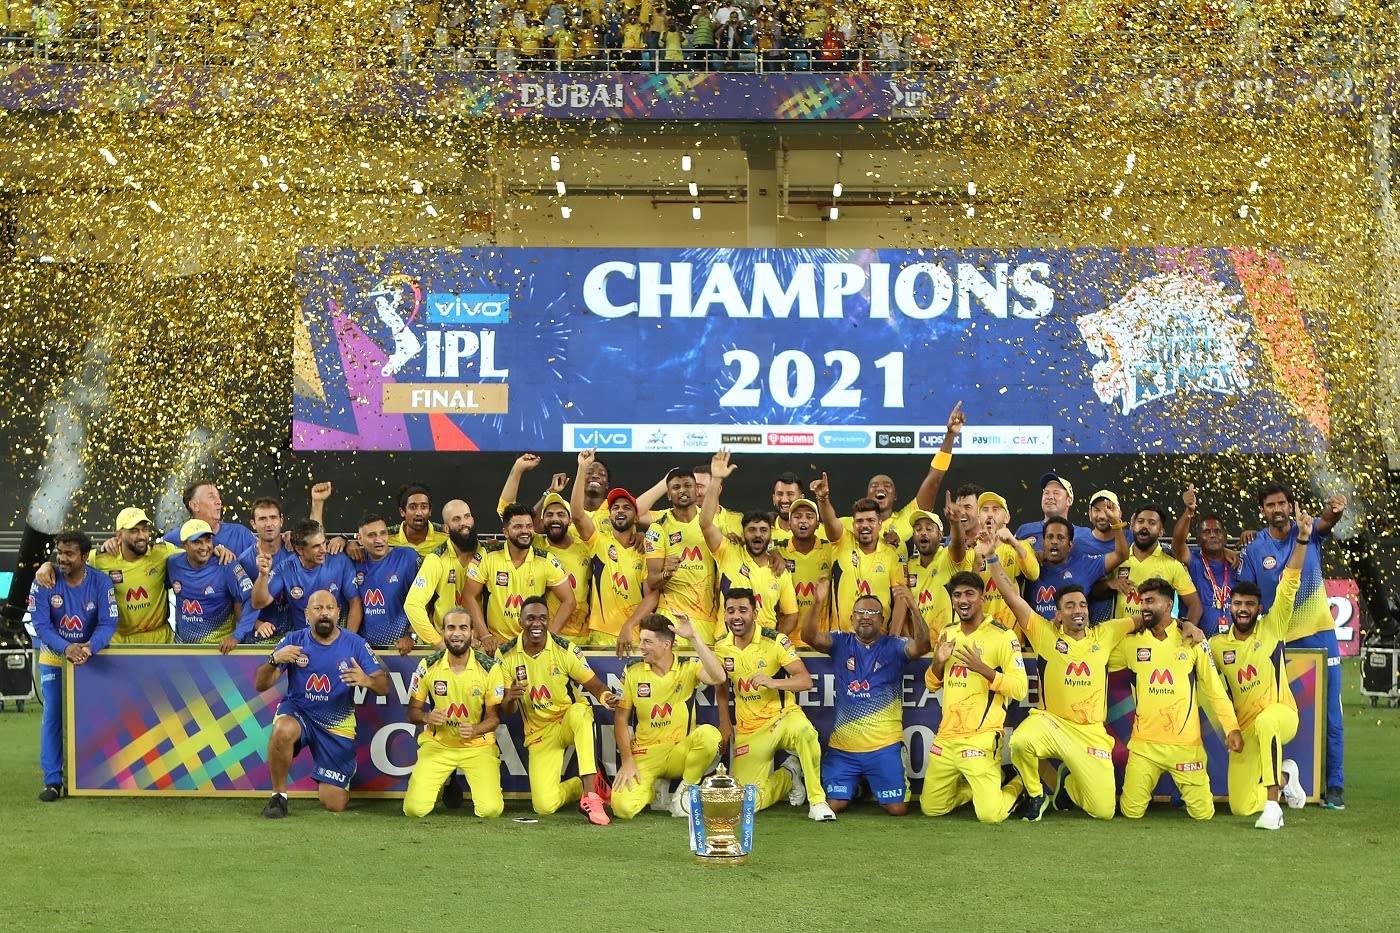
(280, 794)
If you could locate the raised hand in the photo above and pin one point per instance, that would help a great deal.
(1188, 498)
(320, 492)
(720, 465)
(526, 462)
(956, 419)
(559, 482)
(821, 488)
(586, 458)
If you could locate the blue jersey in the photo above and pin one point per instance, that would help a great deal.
(869, 697)
(1081, 569)
(1086, 543)
(291, 579)
(279, 613)
(65, 615)
(237, 538)
(1214, 579)
(1035, 531)
(210, 602)
(383, 586)
(314, 687)
(1263, 563)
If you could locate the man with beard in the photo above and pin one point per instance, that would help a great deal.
(575, 556)
(867, 736)
(455, 695)
(748, 566)
(1068, 723)
(508, 573)
(1251, 657)
(441, 583)
(977, 664)
(1056, 499)
(1062, 564)
(787, 489)
(659, 688)
(679, 566)
(861, 563)
(309, 570)
(1147, 560)
(324, 663)
(931, 568)
(1261, 565)
(417, 530)
(1018, 557)
(274, 620)
(137, 572)
(1172, 673)
(807, 556)
(618, 565)
(894, 525)
(541, 671)
(1102, 539)
(74, 618)
(766, 712)
(729, 521)
(1212, 566)
(385, 577)
(213, 602)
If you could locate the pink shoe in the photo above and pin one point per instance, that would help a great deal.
(591, 806)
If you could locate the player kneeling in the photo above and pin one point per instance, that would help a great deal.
(455, 696)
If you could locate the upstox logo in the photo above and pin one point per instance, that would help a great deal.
(468, 308)
(603, 438)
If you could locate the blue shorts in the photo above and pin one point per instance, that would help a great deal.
(883, 770)
(333, 756)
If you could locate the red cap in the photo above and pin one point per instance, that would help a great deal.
(620, 493)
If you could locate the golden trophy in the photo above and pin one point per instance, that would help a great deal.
(721, 820)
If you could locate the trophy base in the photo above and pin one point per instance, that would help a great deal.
(721, 859)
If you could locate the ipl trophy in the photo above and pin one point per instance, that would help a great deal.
(721, 820)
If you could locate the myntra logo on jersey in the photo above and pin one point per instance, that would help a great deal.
(620, 582)
(540, 694)
(191, 607)
(373, 598)
(318, 687)
(1246, 674)
(661, 711)
(1160, 681)
(920, 290)
(70, 624)
(137, 594)
(514, 601)
(1077, 674)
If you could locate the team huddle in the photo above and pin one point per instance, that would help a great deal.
(739, 594)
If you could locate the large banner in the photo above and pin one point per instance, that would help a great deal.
(794, 351)
(776, 97)
(180, 720)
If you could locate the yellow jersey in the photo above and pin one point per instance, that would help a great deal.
(691, 590)
(618, 574)
(1074, 671)
(143, 595)
(972, 704)
(1157, 564)
(463, 696)
(767, 653)
(737, 568)
(662, 702)
(855, 573)
(548, 679)
(441, 584)
(504, 586)
(435, 539)
(805, 570)
(1168, 677)
(576, 558)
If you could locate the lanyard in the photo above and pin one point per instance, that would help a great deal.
(1222, 589)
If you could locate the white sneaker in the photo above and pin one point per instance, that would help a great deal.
(661, 798)
(1271, 818)
(820, 812)
(1292, 790)
(798, 795)
(680, 801)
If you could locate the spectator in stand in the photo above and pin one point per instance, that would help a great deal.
(531, 45)
(651, 39)
(728, 26)
(588, 53)
(612, 40)
(565, 47)
(506, 59)
(702, 39)
(887, 52)
(832, 55)
(673, 44)
(768, 41)
(632, 43)
(813, 28)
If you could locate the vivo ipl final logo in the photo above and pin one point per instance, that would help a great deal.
(1170, 333)
(449, 343)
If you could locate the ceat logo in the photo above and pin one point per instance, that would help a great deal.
(729, 665)
(191, 607)
(661, 711)
(620, 582)
(856, 686)
(297, 592)
(56, 601)
(1045, 595)
(850, 664)
(540, 693)
(503, 578)
(70, 624)
(116, 575)
(373, 598)
(691, 554)
(456, 711)
(514, 600)
(1077, 669)
(1161, 677)
(1245, 674)
(318, 683)
(1061, 646)
(958, 670)
(1228, 657)
(1270, 562)
(135, 594)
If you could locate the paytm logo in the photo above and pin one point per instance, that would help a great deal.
(603, 438)
(469, 308)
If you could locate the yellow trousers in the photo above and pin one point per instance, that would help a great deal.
(1185, 763)
(548, 791)
(1260, 766)
(1087, 750)
(482, 766)
(753, 757)
(962, 770)
(686, 760)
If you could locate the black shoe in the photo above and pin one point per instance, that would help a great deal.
(276, 808)
(50, 793)
(1033, 808)
(1332, 801)
(452, 793)
(1060, 795)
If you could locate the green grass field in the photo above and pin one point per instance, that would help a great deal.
(184, 864)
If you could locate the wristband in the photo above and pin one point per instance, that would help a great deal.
(941, 461)
(992, 560)
(1120, 526)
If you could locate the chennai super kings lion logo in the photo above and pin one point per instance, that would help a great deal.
(1170, 333)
